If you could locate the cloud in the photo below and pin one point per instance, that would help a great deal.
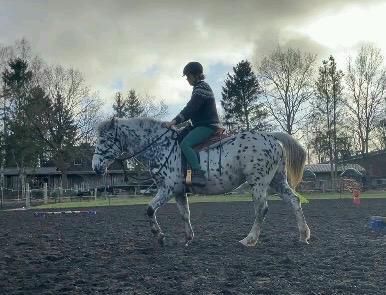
(145, 44)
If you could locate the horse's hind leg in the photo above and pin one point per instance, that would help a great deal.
(183, 208)
(280, 184)
(259, 194)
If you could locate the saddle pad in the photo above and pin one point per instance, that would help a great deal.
(213, 141)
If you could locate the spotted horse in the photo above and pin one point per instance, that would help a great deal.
(261, 159)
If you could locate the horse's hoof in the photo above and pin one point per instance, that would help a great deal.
(247, 242)
(304, 241)
(161, 240)
(187, 242)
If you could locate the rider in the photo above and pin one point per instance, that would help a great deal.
(201, 110)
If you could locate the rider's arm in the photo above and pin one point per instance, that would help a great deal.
(199, 96)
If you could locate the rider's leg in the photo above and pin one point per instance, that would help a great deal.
(196, 136)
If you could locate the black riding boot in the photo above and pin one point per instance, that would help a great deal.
(198, 178)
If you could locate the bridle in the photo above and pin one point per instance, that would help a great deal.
(124, 156)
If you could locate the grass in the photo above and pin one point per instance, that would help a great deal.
(143, 200)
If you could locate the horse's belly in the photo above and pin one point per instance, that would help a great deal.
(220, 184)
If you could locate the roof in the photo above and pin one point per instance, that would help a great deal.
(54, 171)
(33, 171)
(360, 156)
(325, 168)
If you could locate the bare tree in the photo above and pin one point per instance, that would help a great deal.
(287, 79)
(72, 115)
(328, 101)
(153, 108)
(380, 136)
(366, 86)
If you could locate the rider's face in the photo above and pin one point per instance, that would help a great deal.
(191, 79)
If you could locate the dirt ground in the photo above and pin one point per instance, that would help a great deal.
(113, 252)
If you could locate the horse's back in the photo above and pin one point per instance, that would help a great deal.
(245, 156)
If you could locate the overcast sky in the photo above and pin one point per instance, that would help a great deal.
(144, 45)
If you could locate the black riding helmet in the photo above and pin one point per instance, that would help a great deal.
(194, 68)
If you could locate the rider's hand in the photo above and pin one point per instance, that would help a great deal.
(169, 124)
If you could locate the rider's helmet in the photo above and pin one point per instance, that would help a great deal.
(194, 68)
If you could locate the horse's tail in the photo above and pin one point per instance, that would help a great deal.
(295, 157)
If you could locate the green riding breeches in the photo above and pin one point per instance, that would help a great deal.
(194, 137)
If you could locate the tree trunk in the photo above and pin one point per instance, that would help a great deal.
(335, 149)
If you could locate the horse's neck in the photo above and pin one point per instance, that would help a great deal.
(149, 141)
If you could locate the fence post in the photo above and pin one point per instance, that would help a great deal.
(60, 192)
(2, 186)
(45, 193)
(27, 196)
(95, 193)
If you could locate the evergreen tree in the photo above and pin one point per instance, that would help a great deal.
(19, 145)
(57, 128)
(63, 135)
(134, 106)
(16, 83)
(241, 99)
(120, 105)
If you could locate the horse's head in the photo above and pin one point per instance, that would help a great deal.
(107, 148)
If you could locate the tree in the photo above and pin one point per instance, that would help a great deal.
(120, 106)
(134, 105)
(318, 142)
(19, 146)
(71, 116)
(315, 136)
(366, 85)
(241, 98)
(287, 78)
(153, 107)
(380, 132)
(328, 102)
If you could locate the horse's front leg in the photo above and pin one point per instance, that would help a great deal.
(183, 208)
(162, 197)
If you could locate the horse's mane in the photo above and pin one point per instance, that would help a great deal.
(143, 122)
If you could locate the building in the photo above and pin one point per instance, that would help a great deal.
(80, 178)
(375, 165)
(317, 177)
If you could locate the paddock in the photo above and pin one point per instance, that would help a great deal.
(112, 252)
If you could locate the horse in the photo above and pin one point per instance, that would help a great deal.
(263, 160)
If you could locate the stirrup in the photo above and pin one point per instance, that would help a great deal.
(188, 179)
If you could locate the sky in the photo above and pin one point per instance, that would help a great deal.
(144, 45)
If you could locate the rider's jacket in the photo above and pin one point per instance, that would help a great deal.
(201, 109)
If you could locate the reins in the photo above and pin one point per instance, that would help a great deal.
(123, 157)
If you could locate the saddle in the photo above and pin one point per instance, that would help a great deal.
(217, 138)
(212, 141)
